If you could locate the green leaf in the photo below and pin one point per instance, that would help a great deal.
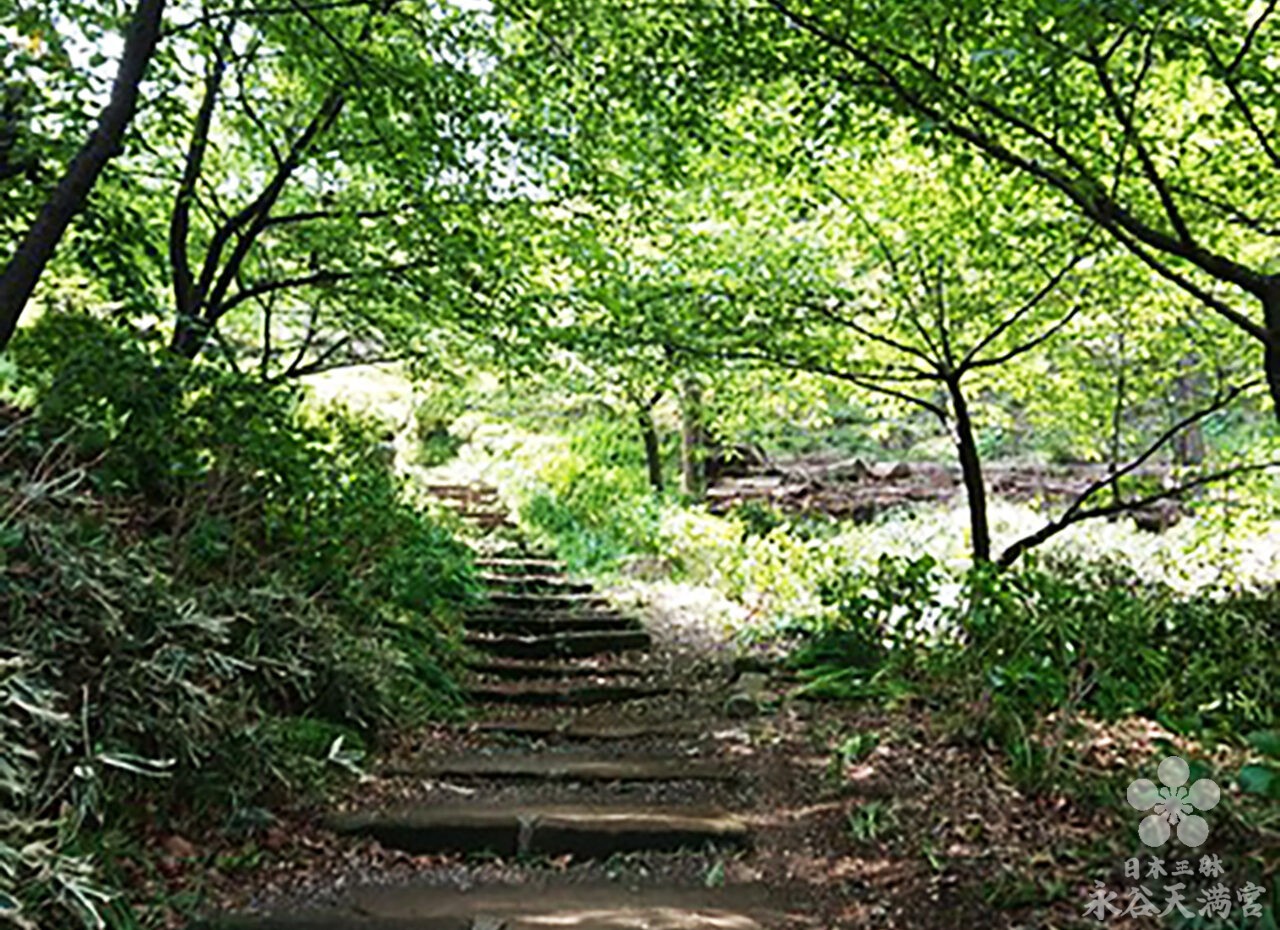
(1259, 779)
(1266, 742)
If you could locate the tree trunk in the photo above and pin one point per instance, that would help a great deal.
(189, 337)
(971, 473)
(1117, 416)
(1188, 445)
(1271, 356)
(652, 447)
(693, 460)
(28, 263)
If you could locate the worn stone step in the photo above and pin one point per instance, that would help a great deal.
(525, 906)
(575, 730)
(489, 521)
(520, 564)
(522, 671)
(585, 831)
(462, 491)
(479, 504)
(500, 611)
(546, 582)
(560, 767)
(561, 645)
(532, 601)
(555, 694)
(501, 622)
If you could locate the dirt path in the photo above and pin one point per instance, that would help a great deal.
(616, 778)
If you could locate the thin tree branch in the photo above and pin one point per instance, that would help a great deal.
(315, 279)
(184, 285)
(1033, 343)
(1012, 320)
(1250, 36)
(1049, 530)
(1077, 511)
(1124, 117)
(861, 330)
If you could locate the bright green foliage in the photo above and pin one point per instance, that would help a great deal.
(827, 214)
(210, 596)
(1070, 638)
(589, 497)
(1263, 778)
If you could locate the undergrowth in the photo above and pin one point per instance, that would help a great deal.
(1022, 644)
(1038, 660)
(212, 596)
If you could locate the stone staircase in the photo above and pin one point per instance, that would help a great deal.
(579, 741)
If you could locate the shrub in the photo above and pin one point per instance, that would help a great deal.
(212, 595)
(589, 496)
(1016, 646)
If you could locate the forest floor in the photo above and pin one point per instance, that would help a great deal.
(795, 814)
(856, 489)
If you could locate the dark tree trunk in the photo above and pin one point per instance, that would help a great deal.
(1271, 356)
(693, 458)
(1117, 416)
(36, 249)
(189, 337)
(652, 447)
(971, 473)
(1189, 445)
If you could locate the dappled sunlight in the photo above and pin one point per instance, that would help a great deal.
(715, 465)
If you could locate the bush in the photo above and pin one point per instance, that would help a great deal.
(1012, 648)
(590, 498)
(212, 596)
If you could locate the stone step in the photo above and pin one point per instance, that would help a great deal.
(561, 767)
(463, 491)
(548, 623)
(555, 694)
(523, 671)
(489, 610)
(521, 564)
(526, 906)
(475, 503)
(593, 730)
(561, 645)
(535, 582)
(584, 831)
(526, 600)
(489, 521)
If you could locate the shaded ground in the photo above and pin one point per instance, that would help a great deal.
(858, 490)
(856, 817)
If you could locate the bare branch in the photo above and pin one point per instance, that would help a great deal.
(1252, 34)
(254, 216)
(1077, 511)
(880, 338)
(1124, 116)
(1012, 320)
(1033, 343)
(1233, 214)
(1049, 530)
(870, 381)
(314, 279)
(1246, 111)
(1214, 303)
(298, 370)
